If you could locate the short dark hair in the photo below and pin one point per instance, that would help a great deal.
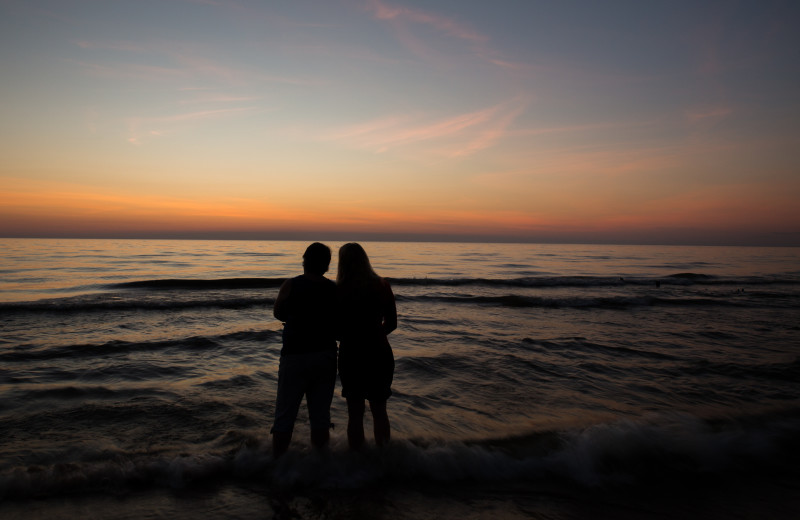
(317, 258)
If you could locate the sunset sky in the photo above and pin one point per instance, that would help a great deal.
(539, 121)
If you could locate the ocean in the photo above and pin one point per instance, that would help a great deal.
(138, 380)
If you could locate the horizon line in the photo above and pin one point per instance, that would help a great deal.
(406, 238)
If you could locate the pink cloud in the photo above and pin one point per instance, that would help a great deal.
(454, 136)
(384, 11)
(407, 22)
(495, 129)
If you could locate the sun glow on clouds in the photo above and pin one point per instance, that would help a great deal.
(93, 210)
(523, 122)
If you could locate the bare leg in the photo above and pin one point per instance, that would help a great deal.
(380, 422)
(280, 443)
(355, 423)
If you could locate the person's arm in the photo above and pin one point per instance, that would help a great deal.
(281, 308)
(389, 309)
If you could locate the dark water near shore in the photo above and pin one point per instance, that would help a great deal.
(137, 378)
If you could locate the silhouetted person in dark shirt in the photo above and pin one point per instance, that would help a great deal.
(307, 306)
(367, 314)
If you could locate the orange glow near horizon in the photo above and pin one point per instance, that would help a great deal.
(62, 208)
(394, 121)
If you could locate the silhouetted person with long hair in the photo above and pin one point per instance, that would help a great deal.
(367, 314)
(307, 306)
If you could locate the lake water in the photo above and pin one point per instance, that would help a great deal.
(138, 378)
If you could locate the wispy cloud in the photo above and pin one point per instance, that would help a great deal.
(217, 98)
(136, 72)
(126, 46)
(600, 127)
(454, 136)
(183, 62)
(707, 114)
(408, 24)
(142, 129)
(511, 66)
(496, 128)
(385, 11)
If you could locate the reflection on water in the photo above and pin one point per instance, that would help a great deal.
(44, 268)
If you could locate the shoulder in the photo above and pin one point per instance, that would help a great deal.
(300, 281)
(320, 284)
(331, 287)
(386, 288)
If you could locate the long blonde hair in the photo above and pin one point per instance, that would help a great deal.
(355, 271)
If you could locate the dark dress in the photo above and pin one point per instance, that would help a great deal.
(366, 362)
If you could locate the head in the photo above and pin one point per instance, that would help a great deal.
(317, 259)
(354, 264)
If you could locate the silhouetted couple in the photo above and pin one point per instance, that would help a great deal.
(359, 311)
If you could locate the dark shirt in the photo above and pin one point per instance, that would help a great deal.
(309, 316)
